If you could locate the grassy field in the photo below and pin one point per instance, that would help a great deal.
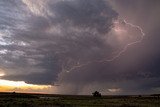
(48, 100)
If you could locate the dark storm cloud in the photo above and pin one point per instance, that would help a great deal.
(35, 46)
(86, 13)
(41, 41)
(135, 72)
(144, 64)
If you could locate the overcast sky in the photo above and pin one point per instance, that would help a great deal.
(111, 46)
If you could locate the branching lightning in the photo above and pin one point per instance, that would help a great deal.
(78, 65)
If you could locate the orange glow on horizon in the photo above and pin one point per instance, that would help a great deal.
(21, 86)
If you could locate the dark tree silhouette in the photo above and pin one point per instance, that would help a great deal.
(96, 94)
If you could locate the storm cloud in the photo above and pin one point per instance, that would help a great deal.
(35, 45)
(70, 42)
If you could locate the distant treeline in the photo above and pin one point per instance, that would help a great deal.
(17, 95)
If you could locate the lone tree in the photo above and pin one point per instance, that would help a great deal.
(96, 94)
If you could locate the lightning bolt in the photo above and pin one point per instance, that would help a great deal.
(126, 47)
(78, 65)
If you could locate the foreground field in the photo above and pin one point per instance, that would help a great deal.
(46, 100)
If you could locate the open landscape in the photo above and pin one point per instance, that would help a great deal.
(50, 100)
(79, 53)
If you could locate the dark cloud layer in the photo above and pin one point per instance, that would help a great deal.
(38, 45)
(41, 41)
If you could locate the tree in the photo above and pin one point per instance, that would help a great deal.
(96, 94)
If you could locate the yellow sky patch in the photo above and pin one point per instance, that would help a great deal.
(21, 86)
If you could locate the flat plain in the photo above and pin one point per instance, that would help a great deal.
(51, 100)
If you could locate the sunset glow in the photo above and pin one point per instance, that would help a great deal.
(6, 85)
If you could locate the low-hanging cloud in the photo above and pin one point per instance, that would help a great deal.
(44, 36)
(40, 41)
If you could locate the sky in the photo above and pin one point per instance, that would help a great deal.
(80, 46)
